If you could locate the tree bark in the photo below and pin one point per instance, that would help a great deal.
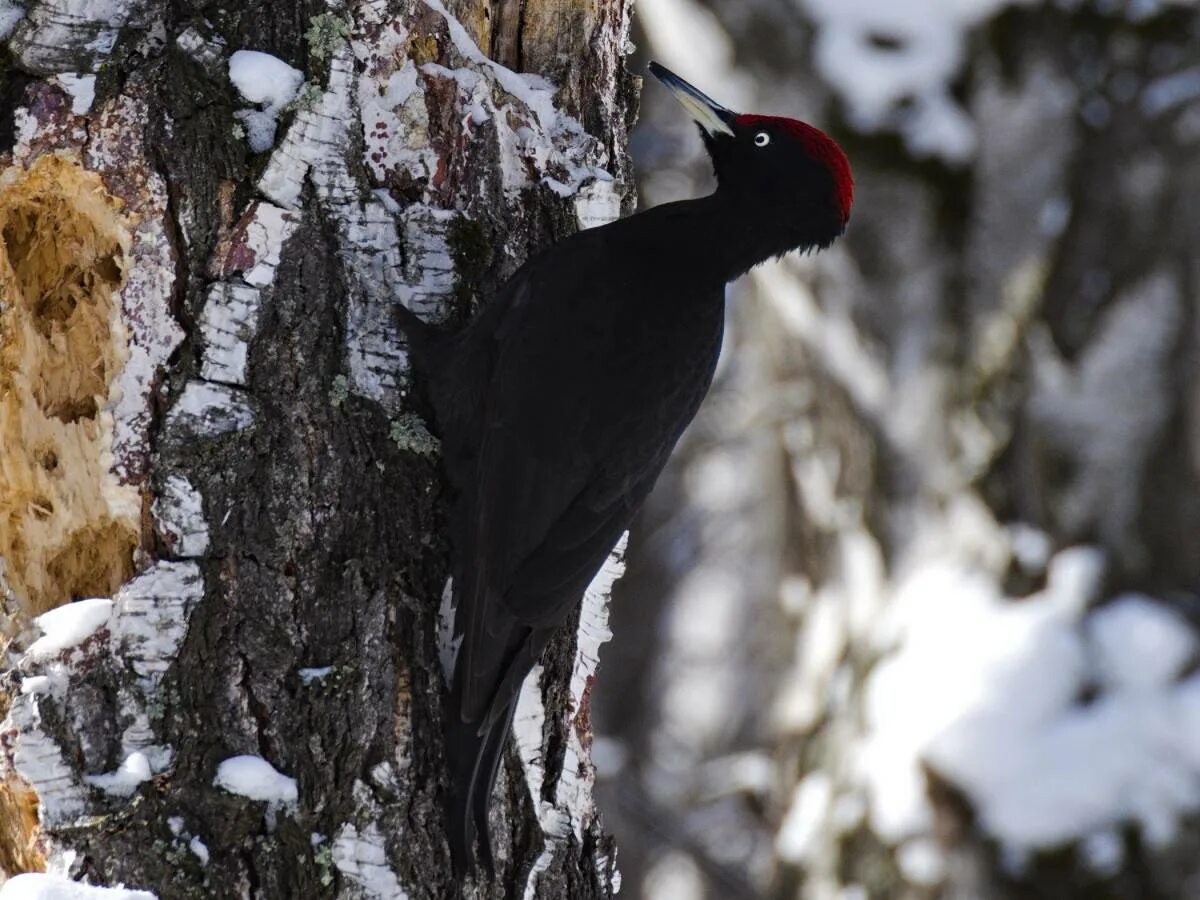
(206, 420)
(946, 475)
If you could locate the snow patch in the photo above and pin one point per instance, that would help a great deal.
(965, 650)
(37, 886)
(922, 861)
(254, 777)
(125, 780)
(269, 82)
(68, 626)
(36, 685)
(199, 848)
(264, 79)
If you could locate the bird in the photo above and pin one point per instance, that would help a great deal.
(559, 404)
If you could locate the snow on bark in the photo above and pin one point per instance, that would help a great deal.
(140, 628)
(509, 115)
(36, 886)
(255, 778)
(54, 692)
(270, 83)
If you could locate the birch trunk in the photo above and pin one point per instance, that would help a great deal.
(206, 430)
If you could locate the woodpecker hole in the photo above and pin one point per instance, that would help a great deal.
(19, 830)
(18, 823)
(68, 527)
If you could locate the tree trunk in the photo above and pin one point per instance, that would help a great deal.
(206, 422)
(928, 557)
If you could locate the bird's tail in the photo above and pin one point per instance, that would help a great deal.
(474, 757)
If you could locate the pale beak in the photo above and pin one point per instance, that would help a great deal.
(709, 115)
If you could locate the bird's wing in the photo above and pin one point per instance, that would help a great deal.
(532, 462)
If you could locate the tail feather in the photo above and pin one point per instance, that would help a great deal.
(474, 758)
(464, 749)
(489, 766)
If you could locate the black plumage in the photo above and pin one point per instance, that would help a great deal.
(559, 404)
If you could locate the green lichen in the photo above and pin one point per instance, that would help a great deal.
(323, 856)
(325, 34)
(239, 133)
(307, 99)
(339, 391)
(409, 434)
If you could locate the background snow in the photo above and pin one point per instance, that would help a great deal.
(893, 62)
(1002, 713)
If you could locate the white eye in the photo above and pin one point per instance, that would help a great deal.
(762, 139)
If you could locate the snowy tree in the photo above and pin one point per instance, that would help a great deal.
(915, 615)
(221, 518)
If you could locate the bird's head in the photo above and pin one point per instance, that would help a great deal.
(794, 175)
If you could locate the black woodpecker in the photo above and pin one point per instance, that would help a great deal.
(558, 405)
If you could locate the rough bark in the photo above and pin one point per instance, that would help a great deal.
(981, 402)
(207, 420)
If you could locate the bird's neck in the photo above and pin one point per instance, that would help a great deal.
(719, 237)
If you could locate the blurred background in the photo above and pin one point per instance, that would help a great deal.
(914, 612)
